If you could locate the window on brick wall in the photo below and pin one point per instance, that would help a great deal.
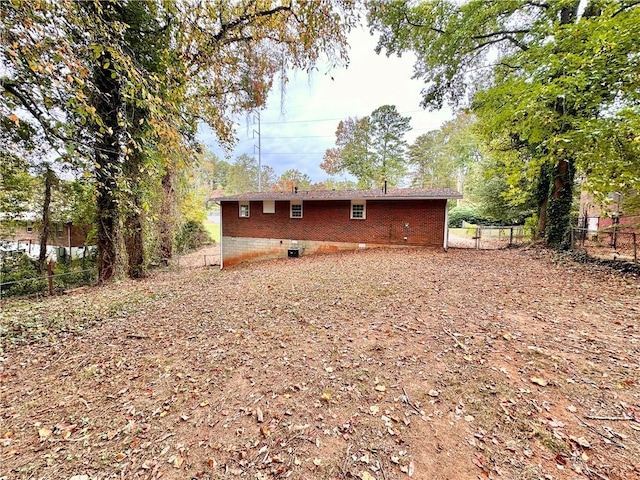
(244, 209)
(358, 209)
(296, 208)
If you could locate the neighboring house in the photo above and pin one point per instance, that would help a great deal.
(26, 232)
(256, 226)
(594, 216)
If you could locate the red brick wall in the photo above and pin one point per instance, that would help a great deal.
(329, 221)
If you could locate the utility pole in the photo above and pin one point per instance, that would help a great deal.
(256, 119)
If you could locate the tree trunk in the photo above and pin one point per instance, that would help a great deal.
(133, 223)
(166, 222)
(107, 154)
(134, 241)
(49, 178)
(542, 199)
(559, 208)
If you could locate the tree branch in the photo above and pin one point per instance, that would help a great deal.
(626, 7)
(248, 18)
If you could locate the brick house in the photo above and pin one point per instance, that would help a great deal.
(257, 226)
(26, 231)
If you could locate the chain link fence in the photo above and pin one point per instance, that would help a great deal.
(489, 237)
(610, 244)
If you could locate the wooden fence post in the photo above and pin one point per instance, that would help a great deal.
(50, 276)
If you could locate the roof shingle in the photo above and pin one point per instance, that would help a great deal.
(374, 194)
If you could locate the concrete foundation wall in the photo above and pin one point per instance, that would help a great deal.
(235, 250)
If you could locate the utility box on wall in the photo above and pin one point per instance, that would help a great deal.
(293, 252)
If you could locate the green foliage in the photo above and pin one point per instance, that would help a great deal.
(291, 179)
(443, 157)
(545, 78)
(110, 85)
(16, 186)
(20, 276)
(242, 176)
(467, 213)
(500, 199)
(371, 149)
(192, 236)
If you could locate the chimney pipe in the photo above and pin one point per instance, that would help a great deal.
(295, 189)
(385, 187)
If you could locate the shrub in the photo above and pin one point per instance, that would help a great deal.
(192, 236)
(465, 213)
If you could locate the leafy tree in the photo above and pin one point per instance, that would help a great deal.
(110, 82)
(291, 179)
(212, 170)
(544, 77)
(16, 186)
(496, 197)
(242, 176)
(371, 149)
(433, 168)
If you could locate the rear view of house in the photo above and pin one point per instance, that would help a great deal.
(256, 226)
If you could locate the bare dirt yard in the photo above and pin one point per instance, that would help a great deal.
(381, 364)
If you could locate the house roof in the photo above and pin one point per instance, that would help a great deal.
(375, 194)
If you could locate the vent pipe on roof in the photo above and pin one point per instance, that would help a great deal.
(295, 189)
(385, 188)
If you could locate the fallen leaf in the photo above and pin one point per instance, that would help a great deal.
(44, 433)
(572, 409)
(412, 468)
(433, 393)
(259, 415)
(381, 388)
(583, 442)
(539, 381)
(374, 409)
(364, 475)
(317, 462)
(178, 462)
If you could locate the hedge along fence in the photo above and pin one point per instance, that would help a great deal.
(487, 237)
(19, 277)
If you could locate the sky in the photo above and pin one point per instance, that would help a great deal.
(296, 130)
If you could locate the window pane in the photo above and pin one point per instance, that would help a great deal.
(244, 210)
(296, 211)
(357, 211)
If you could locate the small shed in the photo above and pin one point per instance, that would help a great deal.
(263, 225)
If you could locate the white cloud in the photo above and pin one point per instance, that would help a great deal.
(297, 129)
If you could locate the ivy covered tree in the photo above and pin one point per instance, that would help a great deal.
(372, 149)
(556, 79)
(120, 85)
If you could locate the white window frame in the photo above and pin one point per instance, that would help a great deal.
(268, 206)
(363, 203)
(293, 203)
(241, 213)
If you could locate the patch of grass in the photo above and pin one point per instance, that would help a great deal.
(552, 443)
(213, 229)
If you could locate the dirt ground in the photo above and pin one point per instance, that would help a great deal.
(381, 364)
